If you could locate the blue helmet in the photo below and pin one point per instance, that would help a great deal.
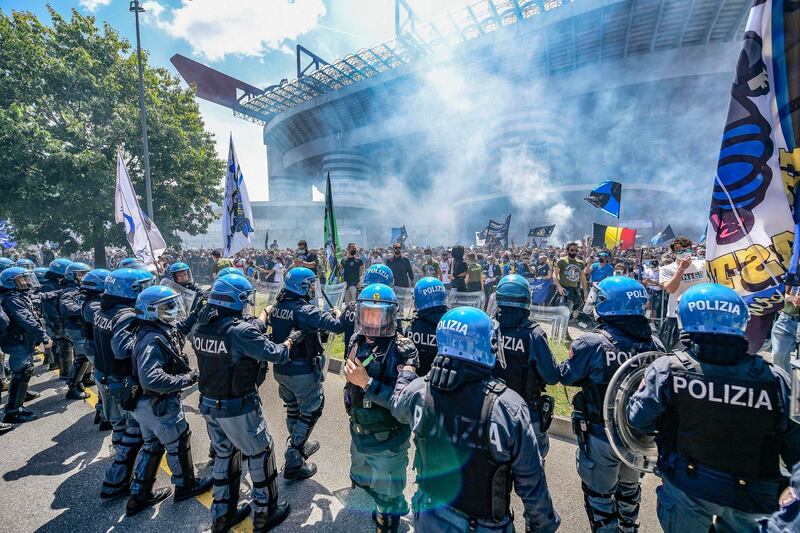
(128, 282)
(59, 266)
(620, 296)
(233, 291)
(230, 270)
(159, 302)
(376, 311)
(712, 308)
(513, 291)
(76, 271)
(180, 273)
(16, 278)
(132, 262)
(379, 274)
(468, 333)
(299, 280)
(95, 280)
(429, 292)
(5, 263)
(40, 273)
(27, 264)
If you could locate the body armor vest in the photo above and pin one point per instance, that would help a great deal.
(615, 355)
(454, 456)
(518, 374)
(422, 333)
(729, 424)
(104, 359)
(220, 377)
(285, 317)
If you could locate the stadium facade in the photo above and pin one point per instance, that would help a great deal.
(504, 106)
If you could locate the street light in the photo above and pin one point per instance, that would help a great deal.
(137, 8)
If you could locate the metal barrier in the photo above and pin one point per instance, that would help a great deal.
(465, 299)
(555, 317)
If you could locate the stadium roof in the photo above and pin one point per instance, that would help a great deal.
(576, 33)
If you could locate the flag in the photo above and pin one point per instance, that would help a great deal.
(480, 238)
(664, 237)
(750, 222)
(6, 229)
(610, 236)
(266, 240)
(143, 236)
(331, 236)
(607, 196)
(399, 235)
(541, 231)
(496, 233)
(237, 217)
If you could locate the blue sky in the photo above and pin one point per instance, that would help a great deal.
(252, 40)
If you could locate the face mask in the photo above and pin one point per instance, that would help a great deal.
(683, 254)
(301, 250)
(618, 273)
(397, 252)
(428, 257)
(352, 252)
(572, 254)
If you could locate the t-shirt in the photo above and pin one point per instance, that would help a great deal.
(221, 263)
(431, 268)
(402, 271)
(474, 272)
(351, 270)
(600, 272)
(459, 283)
(694, 274)
(569, 274)
(444, 266)
(309, 257)
(278, 268)
(269, 265)
(651, 274)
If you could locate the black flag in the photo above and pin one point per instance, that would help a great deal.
(541, 231)
(497, 232)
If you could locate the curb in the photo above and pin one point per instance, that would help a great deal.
(561, 427)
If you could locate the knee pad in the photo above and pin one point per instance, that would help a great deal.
(598, 518)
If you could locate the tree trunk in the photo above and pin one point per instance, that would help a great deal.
(100, 253)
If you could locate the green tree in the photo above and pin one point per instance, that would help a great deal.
(68, 99)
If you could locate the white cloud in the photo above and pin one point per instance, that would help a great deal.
(92, 5)
(216, 29)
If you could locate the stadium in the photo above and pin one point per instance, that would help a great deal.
(505, 106)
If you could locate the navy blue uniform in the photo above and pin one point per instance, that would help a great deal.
(473, 436)
(611, 489)
(70, 306)
(379, 449)
(422, 332)
(24, 331)
(529, 367)
(723, 429)
(787, 519)
(300, 380)
(232, 354)
(54, 324)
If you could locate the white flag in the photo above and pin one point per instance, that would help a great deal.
(143, 236)
(237, 217)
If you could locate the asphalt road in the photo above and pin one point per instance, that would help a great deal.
(51, 471)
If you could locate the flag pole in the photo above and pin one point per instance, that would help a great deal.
(138, 208)
(619, 221)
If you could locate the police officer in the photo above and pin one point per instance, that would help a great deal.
(473, 436)
(162, 371)
(300, 381)
(231, 357)
(25, 263)
(722, 420)
(61, 351)
(92, 287)
(379, 273)
(70, 305)
(23, 333)
(529, 362)
(40, 273)
(379, 448)
(113, 342)
(611, 490)
(132, 262)
(430, 303)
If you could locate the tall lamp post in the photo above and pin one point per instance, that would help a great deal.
(137, 8)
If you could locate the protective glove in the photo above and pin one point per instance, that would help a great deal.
(194, 375)
(295, 336)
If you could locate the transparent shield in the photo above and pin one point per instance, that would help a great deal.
(266, 293)
(465, 299)
(794, 408)
(405, 302)
(187, 295)
(635, 449)
(335, 293)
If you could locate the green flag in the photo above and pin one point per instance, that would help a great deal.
(332, 253)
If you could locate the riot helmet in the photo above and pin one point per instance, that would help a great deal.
(159, 303)
(376, 311)
(429, 292)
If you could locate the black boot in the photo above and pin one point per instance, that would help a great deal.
(76, 373)
(111, 492)
(4, 428)
(66, 357)
(386, 522)
(30, 395)
(97, 417)
(191, 486)
(88, 376)
(148, 497)
(304, 471)
(50, 358)
(15, 413)
(276, 511)
(311, 447)
(234, 480)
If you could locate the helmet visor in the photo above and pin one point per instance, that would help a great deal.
(376, 319)
(248, 302)
(25, 265)
(170, 310)
(182, 277)
(26, 281)
(79, 274)
(141, 285)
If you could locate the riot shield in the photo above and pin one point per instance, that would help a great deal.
(266, 293)
(465, 299)
(187, 295)
(334, 293)
(635, 449)
(557, 318)
(794, 407)
(405, 302)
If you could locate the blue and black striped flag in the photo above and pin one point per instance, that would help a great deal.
(607, 196)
